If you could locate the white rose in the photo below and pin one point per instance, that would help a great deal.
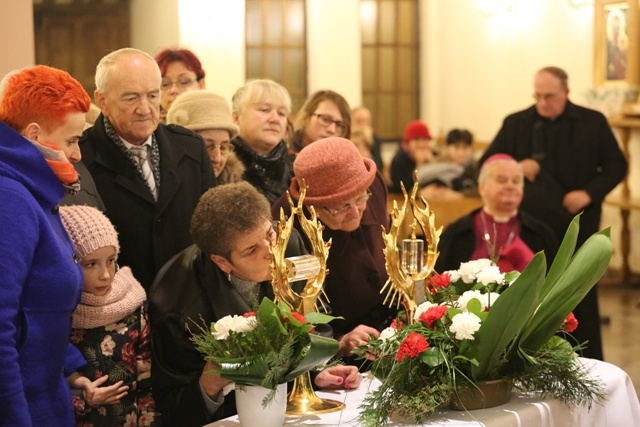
(464, 325)
(387, 333)
(233, 324)
(421, 309)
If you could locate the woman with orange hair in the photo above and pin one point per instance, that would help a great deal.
(42, 112)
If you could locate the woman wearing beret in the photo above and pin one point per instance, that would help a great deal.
(42, 113)
(350, 198)
(209, 115)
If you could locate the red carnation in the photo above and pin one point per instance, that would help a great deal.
(438, 281)
(570, 323)
(249, 314)
(412, 346)
(432, 314)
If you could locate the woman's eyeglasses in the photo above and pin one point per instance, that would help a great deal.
(180, 83)
(326, 120)
(359, 203)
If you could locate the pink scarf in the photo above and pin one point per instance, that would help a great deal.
(125, 296)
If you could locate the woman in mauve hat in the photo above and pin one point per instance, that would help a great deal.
(350, 198)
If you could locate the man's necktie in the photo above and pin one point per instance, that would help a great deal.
(140, 153)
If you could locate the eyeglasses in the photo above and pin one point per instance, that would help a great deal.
(359, 202)
(225, 147)
(180, 83)
(545, 96)
(327, 120)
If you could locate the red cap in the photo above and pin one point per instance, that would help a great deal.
(416, 129)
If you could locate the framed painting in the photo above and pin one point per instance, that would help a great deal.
(616, 47)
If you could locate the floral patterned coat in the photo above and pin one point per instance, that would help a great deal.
(121, 350)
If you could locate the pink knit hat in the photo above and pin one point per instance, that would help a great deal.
(334, 170)
(88, 229)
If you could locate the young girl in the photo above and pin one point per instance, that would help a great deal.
(110, 328)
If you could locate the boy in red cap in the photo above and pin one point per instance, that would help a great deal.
(415, 150)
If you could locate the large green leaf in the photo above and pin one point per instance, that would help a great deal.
(322, 349)
(583, 271)
(507, 317)
(247, 370)
(563, 257)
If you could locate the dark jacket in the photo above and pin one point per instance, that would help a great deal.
(458, 240)
(150, 232)
(401, 171)
(191, 291)
(88, 194)
(356, 265)
(270, 174)
(586, 157)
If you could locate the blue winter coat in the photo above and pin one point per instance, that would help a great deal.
(40, 285)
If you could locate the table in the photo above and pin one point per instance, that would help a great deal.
(620, 409)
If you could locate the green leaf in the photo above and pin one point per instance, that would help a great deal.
(474, 306)
(432, 357)
(582, 273)
(320, 318)
(563, 257)
(507, 317)
(321, 350)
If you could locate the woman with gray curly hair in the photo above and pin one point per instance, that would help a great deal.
(225, 273)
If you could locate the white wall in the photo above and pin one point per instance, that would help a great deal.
(481, 68)
(17, 49)
(154, 25)
(334, 47)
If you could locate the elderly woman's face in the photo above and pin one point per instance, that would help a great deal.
(218, 144)
(502, 189)
(262, 125)
(250, 257)
(345, 217)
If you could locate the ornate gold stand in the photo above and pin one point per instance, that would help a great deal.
(401, 285)
(302, 399)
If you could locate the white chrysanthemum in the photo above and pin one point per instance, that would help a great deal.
(387, 333)
(421, 309)
(454, 275)
(233, 324)
(490, 274)
(464, 325)
(468, 271)
(467, 296)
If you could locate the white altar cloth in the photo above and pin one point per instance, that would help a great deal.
(621, 408)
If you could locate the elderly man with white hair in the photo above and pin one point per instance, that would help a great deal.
(149, 175)
(498, 230)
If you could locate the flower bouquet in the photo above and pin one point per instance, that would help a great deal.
(268, 347)
(480, 325)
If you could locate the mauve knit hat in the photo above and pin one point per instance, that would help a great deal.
(334, 170)
(88, 228)
(200, 110)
